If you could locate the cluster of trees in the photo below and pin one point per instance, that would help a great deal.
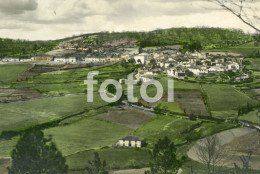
(190, 38)
(164, 159)
(23, 48)
(246, 109)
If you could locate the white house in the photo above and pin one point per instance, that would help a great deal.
(10, 59)
(91, 59)
(144, 57)
(198, 71)
(71, 60)
(146, 78)
(59, 59)
(65, 60)
(216, 69)
(131, 141)
(179, 74)
(172, 72)
(199, 55)
(233, 66)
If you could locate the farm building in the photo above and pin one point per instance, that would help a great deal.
(65, 60)
(131, 141)
(10, 59)
(41, 57)
(142, 58)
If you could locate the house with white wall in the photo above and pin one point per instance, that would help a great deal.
(131, 141)
(143, 58)
(233, 67)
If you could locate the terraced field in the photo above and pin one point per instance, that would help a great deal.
(72, 81)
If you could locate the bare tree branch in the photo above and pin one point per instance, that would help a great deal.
(237, 8)
(210, 151)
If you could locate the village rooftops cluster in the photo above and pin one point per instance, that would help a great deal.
(165, 59)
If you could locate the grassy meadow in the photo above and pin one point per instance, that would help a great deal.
(8, 72)
(86, 134)
(19, 115)
(119, 158)
(251, 49)
(172, 107)
(224, 100)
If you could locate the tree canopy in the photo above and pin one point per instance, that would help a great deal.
(35, 154)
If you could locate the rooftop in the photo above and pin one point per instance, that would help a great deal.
(132, 138)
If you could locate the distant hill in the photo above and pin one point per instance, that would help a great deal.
(189, 38)
(206, 38)
(23, 48)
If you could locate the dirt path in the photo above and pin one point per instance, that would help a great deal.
(229, 137)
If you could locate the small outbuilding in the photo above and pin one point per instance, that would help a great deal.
(131, 141)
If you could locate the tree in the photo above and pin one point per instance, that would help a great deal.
(35, 154)
(243, 9)
(153, 63)
(132, 61)
(96, 166)
(163, 157)
(209, 151)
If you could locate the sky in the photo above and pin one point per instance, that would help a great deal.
(55, 19)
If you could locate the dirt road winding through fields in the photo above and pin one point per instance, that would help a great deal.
(234, 143)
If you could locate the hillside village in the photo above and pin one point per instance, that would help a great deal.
(167, 59)
(215, 92)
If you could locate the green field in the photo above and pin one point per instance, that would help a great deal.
(6, 146)
(118, 158)
(72, 81)
(178, 84)
(8, 72)
(251, 49)
(172, 107)
(252, 117)
(20, 115)
(179, 130)
(86, 134)
(224, 100)
(254, 67)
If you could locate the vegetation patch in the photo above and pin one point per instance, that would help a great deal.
(130, 118)
(116, 158)
(86, 134)
(20, 115)
(8, 72)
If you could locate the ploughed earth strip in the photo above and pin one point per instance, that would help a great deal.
(127, 117)
(39, 69)
(17, 94)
